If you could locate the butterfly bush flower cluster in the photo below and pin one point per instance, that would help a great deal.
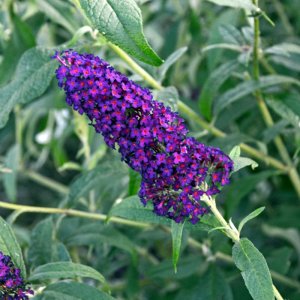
(12, 286)
(176, 170)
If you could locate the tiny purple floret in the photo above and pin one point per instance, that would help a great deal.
(176, 170)
(12, 286)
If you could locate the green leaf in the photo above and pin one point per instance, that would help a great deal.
(290, 235)
(97, 233)
(186, 267)
(60, 12)
(170, 61)
(10, 178)
(121, 23)
(168, 96)
(221, 228)
(33, 75)
(64, 270)
(235, 152)
(21, 39)
(134, 182)
(284, 49)
(241, 162)
(70, 165)
(43, 247)
(232, 35)
(228, 16)
(279, 260)
(176, 231)
(245, 88)
(246, 4)
(227, 46)
(239, 189)
(270, 133)
(131, 208)
(254, 269)
(251, 216)
(212, 85)
(291, 62)
(72, 291)
(284, 111)
(109, 178)
(292, 102)
(10, 246)
(59, 252)
(212, 286)
(40, 248)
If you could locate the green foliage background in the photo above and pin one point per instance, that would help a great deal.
(100, 242)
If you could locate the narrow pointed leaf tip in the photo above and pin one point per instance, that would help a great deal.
(251, 216)
(176, 230)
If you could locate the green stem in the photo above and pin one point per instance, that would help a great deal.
(292, 171)
(266, 65)
(76, 213)
(230, 230)
(216, 132)
(276, 293)
(47, 182)
(70, 212)
(285, 280)
(276, 276)
(185, 109)
(138, 69)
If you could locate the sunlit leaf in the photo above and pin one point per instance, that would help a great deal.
(64, 270)
(240, 162)
(121, 23)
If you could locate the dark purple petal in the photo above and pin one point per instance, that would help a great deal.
(12, 285)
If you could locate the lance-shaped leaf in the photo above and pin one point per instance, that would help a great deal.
(121, 23)
(251, 216)
(254, 269)
(9, 246)
(64, 270)
(176, 230)
(33, 75)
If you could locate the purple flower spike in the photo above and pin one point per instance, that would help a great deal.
(176, 170)
(12, 286)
